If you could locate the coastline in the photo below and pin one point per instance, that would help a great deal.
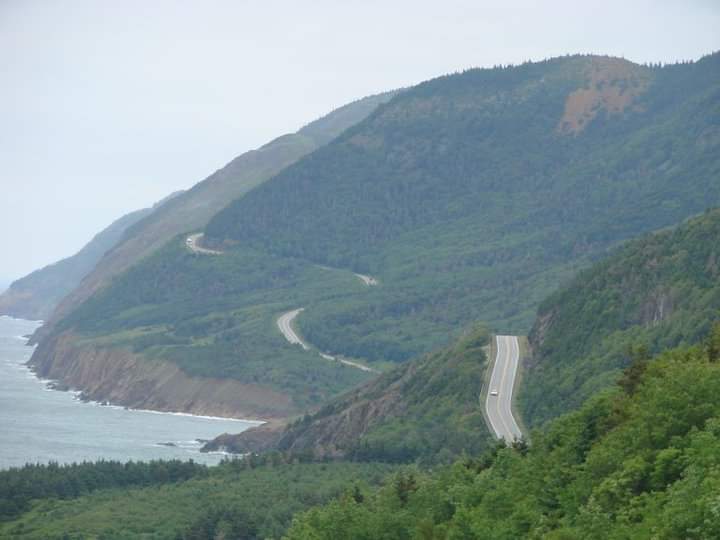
(48, 421)
(55, 384)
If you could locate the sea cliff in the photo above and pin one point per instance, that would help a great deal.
(121, 377)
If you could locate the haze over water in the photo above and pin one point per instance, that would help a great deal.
(38, 425)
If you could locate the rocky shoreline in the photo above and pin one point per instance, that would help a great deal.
(120, 377)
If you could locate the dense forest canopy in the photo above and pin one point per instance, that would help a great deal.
(660, 291)
(641, 460)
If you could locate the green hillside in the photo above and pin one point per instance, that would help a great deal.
(640, 461)
(470, 197)
(170, 500)
(659, 291)
(425, 410)
(469, 200)
(192, 209)
(215, 316)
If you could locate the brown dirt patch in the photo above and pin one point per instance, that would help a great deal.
(612, 86)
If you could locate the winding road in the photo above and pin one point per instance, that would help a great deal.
(367, 280)
(193, 244)
(498, 403)
(284, 324)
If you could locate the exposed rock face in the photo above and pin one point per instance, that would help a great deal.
(612, 86)
(125, 378)
(543, 323)
(256, 439)
(657, 307)
(334, 430)
(334, 434)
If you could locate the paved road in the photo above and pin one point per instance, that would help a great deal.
(193, 244)
(367, 280)
(284, 323)
(502, 381)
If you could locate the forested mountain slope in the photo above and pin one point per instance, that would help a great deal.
(427, 410)
(638, 461)
(192, 209)
(659, 291)
(35, 296)
(470, 197)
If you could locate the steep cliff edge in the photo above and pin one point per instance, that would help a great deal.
(122, 377)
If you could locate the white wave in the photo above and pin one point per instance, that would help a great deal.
(78, 393)
(222, 453)
(204, 417)
(38, 321)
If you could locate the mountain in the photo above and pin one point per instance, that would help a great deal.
(469, 197)
(472, 196)
(192, 209)
(426, 409)
(657, 292)
(173, 389)
(35, 296)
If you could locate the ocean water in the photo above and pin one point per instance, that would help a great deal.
(38, 424)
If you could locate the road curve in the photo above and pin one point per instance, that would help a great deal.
(367, 280)
(502, 380)
(193, 244)
(284, 323)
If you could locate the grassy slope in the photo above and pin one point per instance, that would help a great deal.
(215, 316)
(661, 290)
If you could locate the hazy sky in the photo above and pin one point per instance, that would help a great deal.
(107, 106)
